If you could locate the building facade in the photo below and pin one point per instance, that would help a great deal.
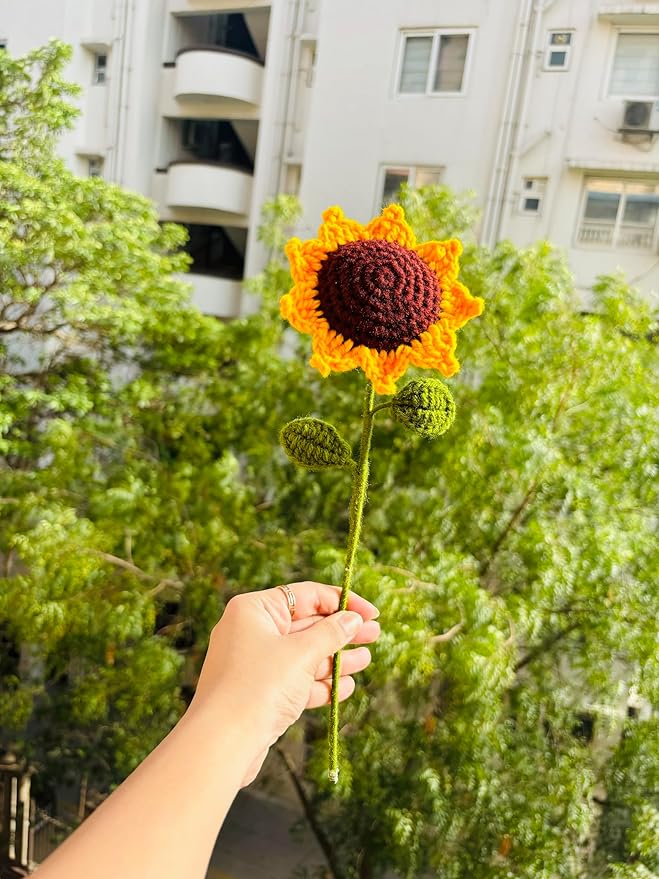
(547, 109)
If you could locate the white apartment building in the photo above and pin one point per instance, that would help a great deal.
(547, 109)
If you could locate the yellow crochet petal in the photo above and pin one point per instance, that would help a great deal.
(331, 352)
(391, 226)
(442, 258)
(306, 258)
(435, 349)
(384, 368)
(458, 305)
(337, 229)
(300, 308)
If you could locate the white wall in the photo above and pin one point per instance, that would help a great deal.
(333, 128)
(358, 123)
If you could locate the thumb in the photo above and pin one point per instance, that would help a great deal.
(331, 634)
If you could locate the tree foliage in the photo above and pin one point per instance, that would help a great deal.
(141, 487)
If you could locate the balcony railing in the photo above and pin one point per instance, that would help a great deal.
(46, 834)
(220, 297)
(210, 186)
(210, 72)
(627, 235)
(183, 6)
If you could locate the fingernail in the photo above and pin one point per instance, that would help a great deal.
(350, 621)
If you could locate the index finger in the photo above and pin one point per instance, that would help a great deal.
(321, 599)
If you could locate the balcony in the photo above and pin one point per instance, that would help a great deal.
(208, 186)
(627, 235)
(214, 76)
(182, 7)
(219, 297)
(629, 12)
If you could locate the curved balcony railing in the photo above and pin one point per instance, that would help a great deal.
(220, 297)
(208, 72)
(209, 186)
(183, 6)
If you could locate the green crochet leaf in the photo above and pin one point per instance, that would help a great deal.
(426, 406)
(315, 444)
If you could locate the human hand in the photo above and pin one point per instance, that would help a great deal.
(263, 668)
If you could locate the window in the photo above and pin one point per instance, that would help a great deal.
(620, 213)
(415, 176)
(95, 166)
(3, 43)
(635, 72)
(557, 56)
(533, 190)
(434, 63)
(100, 69)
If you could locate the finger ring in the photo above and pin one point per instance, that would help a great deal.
(290, 598)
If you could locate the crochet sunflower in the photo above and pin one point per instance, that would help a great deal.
(372, 298)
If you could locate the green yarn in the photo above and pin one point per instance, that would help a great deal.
(315, 444)
(426, 406)
(357, 501)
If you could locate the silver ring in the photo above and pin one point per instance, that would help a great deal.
(290, 598)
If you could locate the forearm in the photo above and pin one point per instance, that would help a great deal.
(162, 822)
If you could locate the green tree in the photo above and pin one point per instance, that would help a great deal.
(98, 350)
(513, 561)
(140, 488)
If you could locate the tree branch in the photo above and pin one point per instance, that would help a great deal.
(310, 815)
(448, 635)
(547, 644)
(517, 512)
(143, 575)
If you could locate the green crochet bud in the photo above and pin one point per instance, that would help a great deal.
(426, 406)
(315, 444)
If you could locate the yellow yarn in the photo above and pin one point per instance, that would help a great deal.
(434, 348)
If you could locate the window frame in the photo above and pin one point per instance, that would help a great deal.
(95, 164)
(552, 68)
(101, 70)
(616, 33)
(618, 222)
(412, 171)
(436, 34)
(538, 193)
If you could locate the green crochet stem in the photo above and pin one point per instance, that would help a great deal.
(357, 500)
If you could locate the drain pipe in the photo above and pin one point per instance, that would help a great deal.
(540, 8)
(291, 90)
(120, 12)
(502, 151)
(124, 93)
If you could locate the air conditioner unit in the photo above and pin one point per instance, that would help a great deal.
(640, 116)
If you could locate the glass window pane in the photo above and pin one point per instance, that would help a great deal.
(561, 39)
(532, 204)
(393, 177)
(427, 176)
(636, 66)
(602, 206)
(641, 209)
(416, 61)
(451, 62)
(557, 59)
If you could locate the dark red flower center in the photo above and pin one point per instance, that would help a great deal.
(378, 294)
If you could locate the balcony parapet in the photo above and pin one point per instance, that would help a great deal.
(182, 7)
(220, 297)
(205, 185)
(629, 12)
(211, 73)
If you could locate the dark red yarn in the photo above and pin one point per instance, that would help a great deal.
(378, 294)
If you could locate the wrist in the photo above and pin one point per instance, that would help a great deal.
(228, 726)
